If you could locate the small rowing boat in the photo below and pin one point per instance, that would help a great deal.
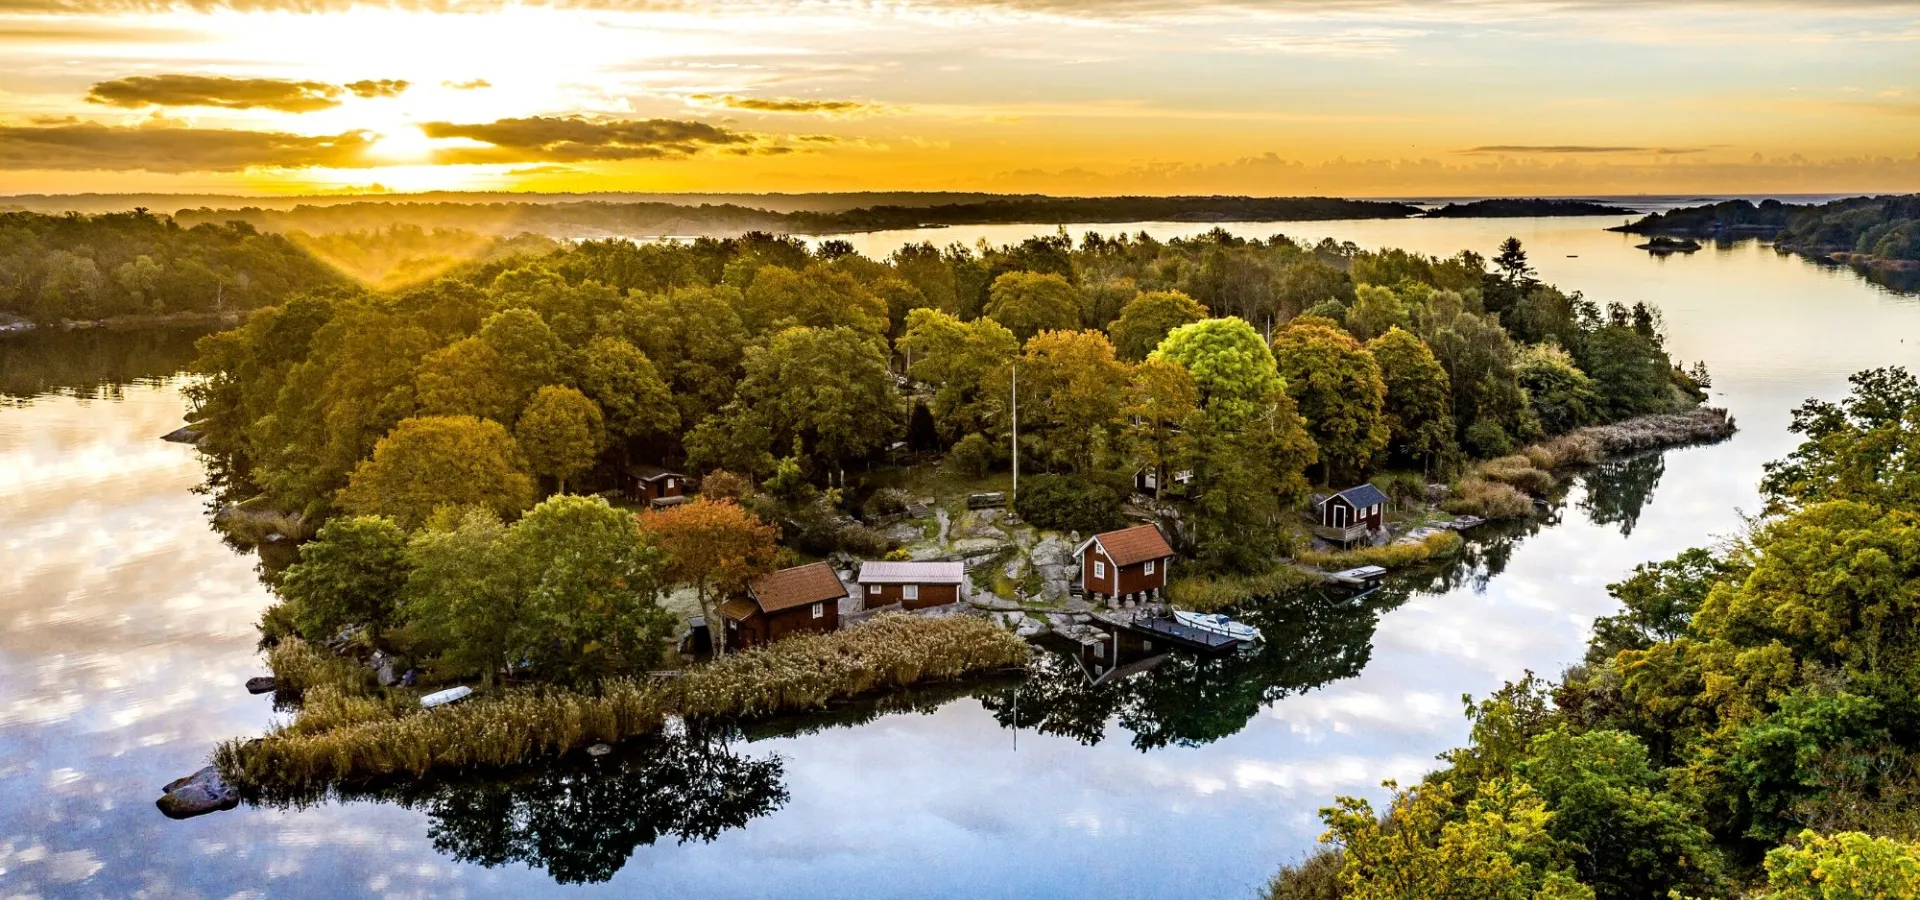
(1218, 624)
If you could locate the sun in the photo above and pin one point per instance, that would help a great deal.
(402, 144)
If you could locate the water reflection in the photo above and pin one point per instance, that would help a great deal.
(90, 363)
(1618, 489)
(580, 819)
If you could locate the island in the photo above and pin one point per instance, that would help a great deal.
(1513, 208)
(1880, 232)
(1663, 245)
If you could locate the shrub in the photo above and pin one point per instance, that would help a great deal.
(721, 484)
(1518, 471)
(1433, 546)
(1476, 496)
(1068, 503)
(1202, 594)
(971, 456)
(886, 502)
(1315, 878)
(299, 666)
(1487, 438)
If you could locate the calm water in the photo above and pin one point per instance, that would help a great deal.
(126, 629)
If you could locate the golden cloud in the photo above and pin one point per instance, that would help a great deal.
(385, 87)
(788, 105)
(89, 146)
(140, 91)
(578, 139)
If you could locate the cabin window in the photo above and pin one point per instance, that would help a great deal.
(1099, 651)
(1099, 569)
(819, 610)
(1150, 567)
(669, 484)
(873, 589)
(910, 592)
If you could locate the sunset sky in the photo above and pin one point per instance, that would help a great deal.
(1359, 98)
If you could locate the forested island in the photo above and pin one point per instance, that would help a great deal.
(1513, 207)
(454, 461)
(1743, 727)
(1871, 231)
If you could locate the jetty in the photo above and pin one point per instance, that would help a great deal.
(1169, 632)
(1362, 576)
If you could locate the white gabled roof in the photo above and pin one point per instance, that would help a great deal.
(912, 573)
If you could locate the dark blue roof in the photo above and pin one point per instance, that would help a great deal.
(1363, 496)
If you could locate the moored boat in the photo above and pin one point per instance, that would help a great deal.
(1218, 624)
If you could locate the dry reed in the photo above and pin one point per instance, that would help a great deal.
(1202, 594)
(1434, 546)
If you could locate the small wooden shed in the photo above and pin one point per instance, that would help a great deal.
(801, 599)
(654, 486)
(913, 585)
(1129, 564)
(1351, 514)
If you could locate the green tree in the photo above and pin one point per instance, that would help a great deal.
(1416, 409)
(351, 573)
(1561, 396)
(1865, 447)
(1500, 849)
(1028, 303)
(961, 361)
(1070, 393)
(1627, 836)
(561, 433)
(623, 382)
(827, 388)
(434, 461)
(1231, 366)
(1845, 866)
(822, 296)
(463, 602)
(1337, 385)
(591, 582)
(1630, 374)
(1375, 310)
(1306, 283)
(695, 337)
(1145, 321)
(1160, 399)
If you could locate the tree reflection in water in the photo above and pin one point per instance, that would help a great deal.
(580, 819)
(1617, 490)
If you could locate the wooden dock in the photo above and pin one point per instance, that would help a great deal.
(1172, 633)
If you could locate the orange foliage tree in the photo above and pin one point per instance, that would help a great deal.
(714, 547)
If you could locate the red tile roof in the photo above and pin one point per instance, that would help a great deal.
(1134, 545)
(798, 586)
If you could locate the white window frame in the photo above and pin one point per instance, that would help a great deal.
(1150, 564)
(819, 610)
(1099, 569)
(669, 484)
(873, 589)
(909, 592)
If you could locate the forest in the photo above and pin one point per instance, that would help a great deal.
(1745, 726)
(139, 265)
(1865, 229)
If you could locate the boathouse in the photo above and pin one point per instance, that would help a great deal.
(1350, 515)
(1129, 564)
(654, 486)
(803, 599)
(913, 585)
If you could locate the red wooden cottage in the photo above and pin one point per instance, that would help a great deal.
(1351, 514)
(655, 486)
(1129, 564)
(913, 585)
(801, 599)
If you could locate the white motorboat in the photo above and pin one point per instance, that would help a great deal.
(442, 698)
(1218, 624)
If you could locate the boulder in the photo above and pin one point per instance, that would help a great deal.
(905, 533)
(260, 684)
(196, 795)
(1030, 627)
(599, 750)
(185, 434)
(1077, 605)
(970, 547)
(1052, 551)
(985, 600)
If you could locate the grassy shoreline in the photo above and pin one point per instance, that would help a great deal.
(348, 730)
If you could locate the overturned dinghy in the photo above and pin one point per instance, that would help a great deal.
(442, 698)
(1219, 624)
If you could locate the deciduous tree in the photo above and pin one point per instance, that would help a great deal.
(434, 461)
(1028, 303)
(1338, 387)
(561, 432)
(714, 547)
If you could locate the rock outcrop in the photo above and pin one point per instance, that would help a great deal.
(196, 795)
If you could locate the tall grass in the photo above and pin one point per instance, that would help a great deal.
(1434, 546)
(1204, 594)
(299, 667)
(1500, 488)
(887, 651)
(513, 726)
(348, 730)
